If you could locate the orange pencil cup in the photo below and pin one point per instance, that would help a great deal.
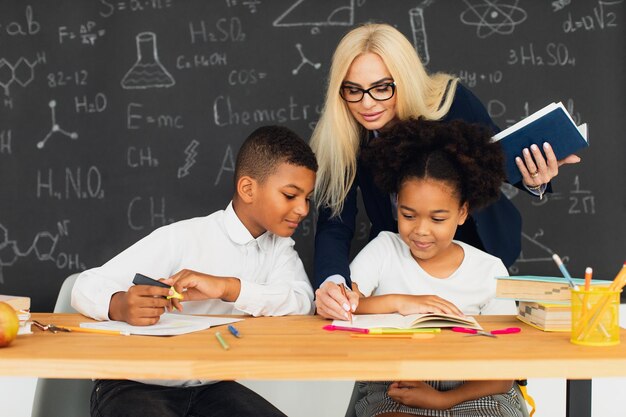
(595, 317)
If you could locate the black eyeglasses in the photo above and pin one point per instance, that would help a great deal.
(379, 92)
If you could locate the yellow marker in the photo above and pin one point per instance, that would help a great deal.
(403, 331)
(393, 336)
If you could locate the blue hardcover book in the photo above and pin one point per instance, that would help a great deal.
(551, 124)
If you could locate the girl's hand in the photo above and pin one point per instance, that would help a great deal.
(418, 394)
(537, 170)
(421, 304)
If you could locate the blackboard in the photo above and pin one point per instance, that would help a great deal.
(120, 116)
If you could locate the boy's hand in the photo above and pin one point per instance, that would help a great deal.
(331, 304)
(194, 285)
(422, 304)
(141, 305)
(418, 394)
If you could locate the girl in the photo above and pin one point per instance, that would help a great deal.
(441, 173)
(376, 78)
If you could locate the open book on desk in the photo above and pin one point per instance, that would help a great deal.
(552, 124)
(169, 324)
(412, 321)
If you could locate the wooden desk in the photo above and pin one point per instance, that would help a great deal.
(297, 348)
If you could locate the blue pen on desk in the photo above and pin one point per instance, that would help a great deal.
(233, 330)
(568, 277)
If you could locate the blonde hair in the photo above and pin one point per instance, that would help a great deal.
(336, 137)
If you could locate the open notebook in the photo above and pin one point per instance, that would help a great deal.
(412, 321)
(170, 324)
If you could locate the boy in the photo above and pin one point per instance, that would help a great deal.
(237, 261)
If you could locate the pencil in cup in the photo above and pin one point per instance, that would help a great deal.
(591, 317)
(575, 291)
(618, 283)
(598, 325)
(588, 273)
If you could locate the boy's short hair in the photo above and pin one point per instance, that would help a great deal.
(268, 147)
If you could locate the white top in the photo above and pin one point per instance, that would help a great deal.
(273, 279)
(385, 266)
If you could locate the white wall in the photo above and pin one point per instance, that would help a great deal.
(330, 398)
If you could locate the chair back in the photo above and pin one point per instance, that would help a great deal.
(63, 397)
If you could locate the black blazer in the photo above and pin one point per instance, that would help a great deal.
(496, 229)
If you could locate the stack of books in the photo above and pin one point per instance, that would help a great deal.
(544, 302)
(538, 288)
(549, 317)
(21, 305)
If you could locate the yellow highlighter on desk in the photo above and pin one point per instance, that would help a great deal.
(141, 279)
(403, 331)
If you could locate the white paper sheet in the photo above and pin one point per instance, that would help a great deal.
(169, 325)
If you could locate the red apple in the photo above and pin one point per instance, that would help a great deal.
(9, 324)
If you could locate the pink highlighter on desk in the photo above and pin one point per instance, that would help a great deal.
(493, 333)
(332, 327)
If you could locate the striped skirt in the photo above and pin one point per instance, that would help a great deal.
(376, 401)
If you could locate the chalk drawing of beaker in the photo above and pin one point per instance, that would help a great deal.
(418, 28)
(147, 72)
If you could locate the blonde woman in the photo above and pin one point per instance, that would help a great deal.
(375, 79)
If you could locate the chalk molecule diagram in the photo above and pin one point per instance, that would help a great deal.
(21, 72)
(55, 127)
(43, 247)
(493, 17)
(305, 61)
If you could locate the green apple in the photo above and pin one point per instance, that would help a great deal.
(9, 324)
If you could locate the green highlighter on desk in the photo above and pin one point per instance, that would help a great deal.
(144, 280)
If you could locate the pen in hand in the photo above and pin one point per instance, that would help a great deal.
(343, 292)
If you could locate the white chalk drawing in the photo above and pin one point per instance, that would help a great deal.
(537, 250)
(228, 164)
(43, 247)
(493, 16)
(55, 127)
(418, 28)
(305, 61)
(147, 72)
(190, 160)
(581, 201)
(21, 72)
(317, 14)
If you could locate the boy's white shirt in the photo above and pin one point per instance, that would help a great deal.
(273, 279)
(386, 266)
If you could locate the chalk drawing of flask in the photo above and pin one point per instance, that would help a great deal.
(418, 28)
(148, 72)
